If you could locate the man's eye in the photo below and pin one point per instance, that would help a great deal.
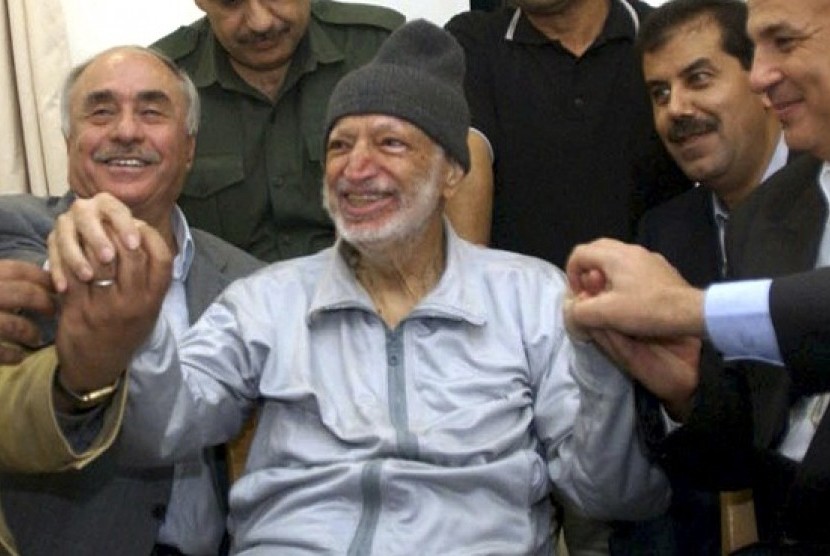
(101, 113)
(392, 142)
(335, 145)
(700, 78)
(660, 95)
(784, 43)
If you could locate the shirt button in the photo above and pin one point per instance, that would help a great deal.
(579, 102)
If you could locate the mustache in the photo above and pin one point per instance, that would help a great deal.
(253, 37)
(108, 154)
(684, 128)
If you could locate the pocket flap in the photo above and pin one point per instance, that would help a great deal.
(211, 174)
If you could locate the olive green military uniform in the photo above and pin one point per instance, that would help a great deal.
(257, 177)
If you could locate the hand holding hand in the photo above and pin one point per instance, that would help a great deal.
(668, 367)
(81, 238)
(633, 291)
(103, 322)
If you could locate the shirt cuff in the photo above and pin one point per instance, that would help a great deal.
(82, 430)
(738, 321)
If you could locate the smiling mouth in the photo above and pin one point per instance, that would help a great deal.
(783, 106)
(363, 199)
(691, 138)
(364, 204)
(127, 162)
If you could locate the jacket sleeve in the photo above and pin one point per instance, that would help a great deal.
(585, 418)
(194, 392)
(32, 439)
(800, 311)
(25, 223)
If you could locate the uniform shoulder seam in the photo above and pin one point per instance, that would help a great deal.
(180, 42)
(339, 13)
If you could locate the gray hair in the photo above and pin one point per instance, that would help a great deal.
(188, 88)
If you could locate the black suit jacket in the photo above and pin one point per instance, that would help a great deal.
(778, 234)
(800, 309)
(684, 231)
(741, 413)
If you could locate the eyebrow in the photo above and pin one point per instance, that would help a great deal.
(104, 96)
(154, 96)
(691, 68)
(769, 30)
(700, 63)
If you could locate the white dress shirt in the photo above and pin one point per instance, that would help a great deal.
(193, 522)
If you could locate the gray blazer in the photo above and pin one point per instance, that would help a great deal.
(105, 508)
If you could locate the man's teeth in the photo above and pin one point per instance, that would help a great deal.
(127, 162)
(363, 197)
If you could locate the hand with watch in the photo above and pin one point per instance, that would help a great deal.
(76, 401)
(104, 320)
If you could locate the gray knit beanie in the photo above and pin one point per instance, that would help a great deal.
(417, 75)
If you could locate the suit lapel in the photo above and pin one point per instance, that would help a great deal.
(204, 282)
(786, 240)
(786, 237)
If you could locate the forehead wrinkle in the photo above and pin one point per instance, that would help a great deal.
(373, 123)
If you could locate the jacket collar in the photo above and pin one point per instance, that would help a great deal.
(454, 296)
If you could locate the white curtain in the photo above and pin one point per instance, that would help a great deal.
(34, 59)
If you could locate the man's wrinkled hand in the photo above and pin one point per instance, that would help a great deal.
(666, 367)
(83, 237)
(103, 321)
(626, 288)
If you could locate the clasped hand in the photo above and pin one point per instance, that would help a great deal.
(112, 273)
(640, 312)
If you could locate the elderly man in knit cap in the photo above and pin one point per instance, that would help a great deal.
(417, 394)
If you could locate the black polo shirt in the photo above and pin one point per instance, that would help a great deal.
(576, 156)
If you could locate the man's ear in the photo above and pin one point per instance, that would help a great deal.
(454, 175)
(191, 151)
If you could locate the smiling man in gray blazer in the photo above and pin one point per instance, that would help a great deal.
(130, 120)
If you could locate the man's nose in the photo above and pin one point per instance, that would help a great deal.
(258, 16)
(680, 104)
(127, 127)
(360, 164)
(764, 73)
